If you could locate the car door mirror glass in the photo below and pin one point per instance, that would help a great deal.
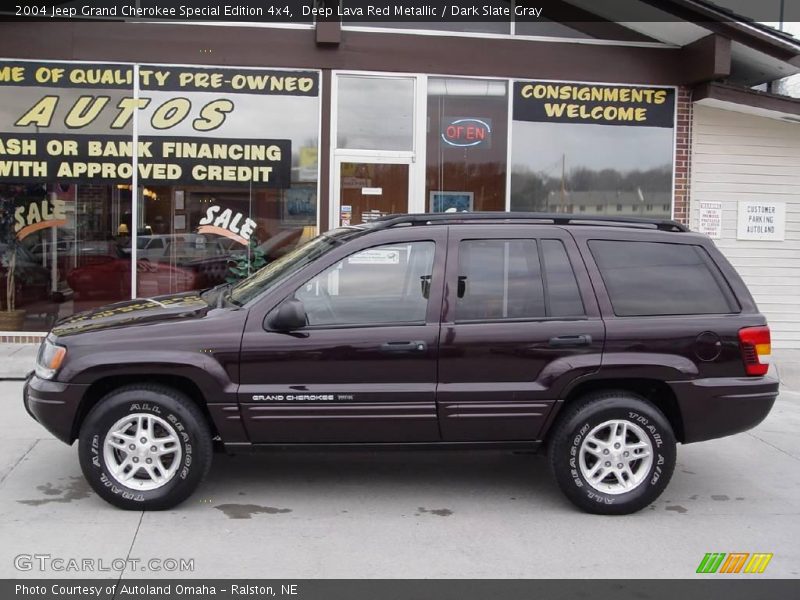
(289, 316)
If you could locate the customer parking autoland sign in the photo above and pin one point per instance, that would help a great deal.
(74, 122)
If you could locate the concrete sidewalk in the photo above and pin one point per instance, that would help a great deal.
(403, 514)
(17, 360)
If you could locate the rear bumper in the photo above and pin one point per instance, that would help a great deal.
(53, 404)
(716, 407)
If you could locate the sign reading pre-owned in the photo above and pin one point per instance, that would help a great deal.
(74, 122)
(570, 102)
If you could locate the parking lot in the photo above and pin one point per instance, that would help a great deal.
(403, 514)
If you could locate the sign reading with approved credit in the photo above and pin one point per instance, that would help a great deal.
(73, 122)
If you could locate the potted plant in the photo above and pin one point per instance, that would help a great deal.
(11, 319)
(244, 264)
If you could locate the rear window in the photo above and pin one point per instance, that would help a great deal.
(654, 278)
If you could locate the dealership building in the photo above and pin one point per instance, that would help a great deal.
(141, 158)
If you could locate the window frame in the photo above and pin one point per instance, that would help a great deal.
(420, 323)
(537, 239)
(713, 269)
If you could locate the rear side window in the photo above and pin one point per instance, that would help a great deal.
(562, 287)
(655, 278)
(515, 279)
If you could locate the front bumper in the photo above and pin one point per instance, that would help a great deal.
(53, 404)
(719, 406)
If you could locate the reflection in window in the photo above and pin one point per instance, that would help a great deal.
(617, 170)
(651, 278)
(466, 144)
(197, 235)
(375, 113)
(499, 279)
(385, 284)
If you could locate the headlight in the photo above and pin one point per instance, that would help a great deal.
(49, 360)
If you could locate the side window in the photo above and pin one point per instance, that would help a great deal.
(562, 287)
(499, 279)
(381, 285)
(656, 278)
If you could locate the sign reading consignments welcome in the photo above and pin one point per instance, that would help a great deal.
(569, 102)
(74, 122)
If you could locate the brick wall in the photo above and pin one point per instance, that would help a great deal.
(683, 146)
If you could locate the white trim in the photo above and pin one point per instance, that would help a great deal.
(417, 200)
(257, 24)
(675, 156)
(134, 229)
(21, 334)
(319, 151)
(411, 157)
(376, 159)
(509, 130)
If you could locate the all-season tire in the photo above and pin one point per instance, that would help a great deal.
(582, 436)
(159, 414)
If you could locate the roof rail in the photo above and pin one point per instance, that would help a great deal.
(554, 218)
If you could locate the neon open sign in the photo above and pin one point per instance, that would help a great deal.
(466, 132)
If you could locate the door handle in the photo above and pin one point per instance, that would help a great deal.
(563, 341)
(404, 347)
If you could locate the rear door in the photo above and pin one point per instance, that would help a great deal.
(519, 323)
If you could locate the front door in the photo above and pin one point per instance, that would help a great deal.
(515, 325)
(370, 187)
(363, 369)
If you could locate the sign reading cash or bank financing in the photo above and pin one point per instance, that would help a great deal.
(73, 122)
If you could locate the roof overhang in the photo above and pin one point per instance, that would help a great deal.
(745, 100)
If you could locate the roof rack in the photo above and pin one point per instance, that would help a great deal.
(554, 218)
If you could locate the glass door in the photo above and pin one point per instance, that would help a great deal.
(370, 187)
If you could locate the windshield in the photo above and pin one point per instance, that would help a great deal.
(246, 290)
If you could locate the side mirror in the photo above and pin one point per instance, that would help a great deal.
(289, 316)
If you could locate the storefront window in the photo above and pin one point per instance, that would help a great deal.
(466, 144)
(375, 113)
(65, 181)
(248, 191)
(592, 148)
(227, 180)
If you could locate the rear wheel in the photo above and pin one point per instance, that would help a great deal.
(145, 447)
(613, 453)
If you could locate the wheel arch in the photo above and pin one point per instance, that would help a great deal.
(101, 387)
(654, 390)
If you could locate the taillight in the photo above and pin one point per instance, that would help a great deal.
(755, 345)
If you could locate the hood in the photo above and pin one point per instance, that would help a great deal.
(134, 312)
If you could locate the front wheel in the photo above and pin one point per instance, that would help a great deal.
(613, 453)
(145, 447)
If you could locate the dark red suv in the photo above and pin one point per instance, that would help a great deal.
(605, 341)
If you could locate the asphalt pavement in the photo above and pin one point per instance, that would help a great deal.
(398, 514)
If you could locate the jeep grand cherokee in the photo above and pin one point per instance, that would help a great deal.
(604, 341)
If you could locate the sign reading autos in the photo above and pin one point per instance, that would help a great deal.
(568, 102)
(75, 122)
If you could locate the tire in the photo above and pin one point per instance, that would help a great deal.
(170, 423)
(581, 441)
